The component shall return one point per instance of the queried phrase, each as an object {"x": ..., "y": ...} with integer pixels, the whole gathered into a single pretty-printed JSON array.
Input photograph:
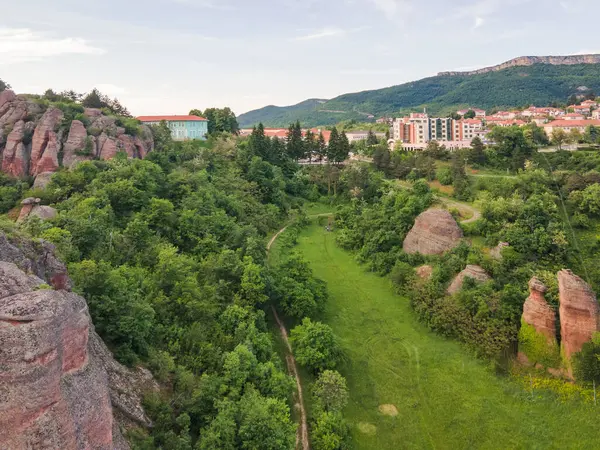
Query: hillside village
[{"x": 415, "y": 131}]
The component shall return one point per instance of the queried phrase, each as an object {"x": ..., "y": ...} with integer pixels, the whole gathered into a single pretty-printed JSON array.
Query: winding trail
[
  {"x": 476, "y": 213},
  {"x": 302, "y": 434}
]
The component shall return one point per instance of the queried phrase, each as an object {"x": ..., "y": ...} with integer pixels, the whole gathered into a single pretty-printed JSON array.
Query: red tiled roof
[
  {"x": 573, "y": 123},
  {"x": 171, "y": 118}
]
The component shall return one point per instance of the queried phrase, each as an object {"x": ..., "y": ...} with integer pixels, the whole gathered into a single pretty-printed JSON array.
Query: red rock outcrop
[
  {"x": 58, "y": 379},
  {"x": 45, "y": 144},
  {"x": 435, "y": 232},
  {"x": 54, "y": 396},
  {"x": 579, "y": 312},
  {"x": 475, "y": 272},
  {"x": 76, "y": 142},
  {"x": 15, "y": 159},
  {"x": 32, "y": 138},
  {"x": 538, "y": 313}
]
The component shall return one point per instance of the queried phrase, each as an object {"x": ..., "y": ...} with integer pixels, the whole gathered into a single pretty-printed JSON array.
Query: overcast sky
[{"x": 169, "y": 56}]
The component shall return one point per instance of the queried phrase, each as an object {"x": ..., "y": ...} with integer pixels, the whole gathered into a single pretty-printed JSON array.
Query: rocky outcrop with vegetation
[
  {"x": 61, "y": 382},
  {"x": 435, "y": 232},
  {"x": 476, "y": 273},
  {"x": 38, "y": 137}
]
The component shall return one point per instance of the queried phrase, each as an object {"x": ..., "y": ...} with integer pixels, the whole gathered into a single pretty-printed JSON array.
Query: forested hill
[{"x": 538, "y": 84}]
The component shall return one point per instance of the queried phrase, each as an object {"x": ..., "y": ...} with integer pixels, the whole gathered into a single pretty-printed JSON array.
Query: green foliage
[
  {"x": 219, "y": 120},
  {"x": 315, "y": 346},
  {"x": 330, "y": 392},
  {"x": 537, "y": 348},
  {"x": 4, "y": 85},
  {"x": 330, "y": 432},
  {"x": 586, "y": 363},
  {"x": 539, "y": 84}
]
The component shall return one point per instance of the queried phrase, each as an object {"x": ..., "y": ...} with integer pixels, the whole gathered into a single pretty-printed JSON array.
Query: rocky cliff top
[
  {"x": 531, "y": 60},
  {"x": 37, "y": 138}
]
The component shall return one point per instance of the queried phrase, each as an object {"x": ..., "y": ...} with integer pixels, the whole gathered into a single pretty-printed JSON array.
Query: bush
[
  {"x": 315, "y": 346},
  {"x": 402, "y": 274},
  {"x": 330, "y": 432},
  {"x": 537, "y": 348},
  {"x": 330, "y": 392},
  {"x": 444, "y": 176},
  {"x": 586, "y": 363}
]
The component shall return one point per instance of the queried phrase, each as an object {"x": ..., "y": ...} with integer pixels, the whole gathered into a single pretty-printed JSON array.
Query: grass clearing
[{"x": 445, "y": 398}]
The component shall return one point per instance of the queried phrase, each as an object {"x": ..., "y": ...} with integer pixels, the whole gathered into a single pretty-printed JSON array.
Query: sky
[{"x": 170, "y": 56}]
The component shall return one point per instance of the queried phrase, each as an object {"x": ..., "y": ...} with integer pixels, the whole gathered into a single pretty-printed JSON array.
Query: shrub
[
  {"x": 537, "y": 348},
  {"x": 402, "y": 274},
  {"x": 330, "y": 432},
  {"x": 586, "y": 363},
  {"x": 315, "y": 346},
  {"x": 330, "y": 392},
  {"x": 444, "y": 175}
]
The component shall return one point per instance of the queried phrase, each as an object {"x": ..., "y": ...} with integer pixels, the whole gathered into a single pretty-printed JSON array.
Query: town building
[
  {"x": 354, "y": 136},
  {"x": 573, "y": 116},
  {"x": 417, "y": 130},
  {"x": 581, "y": 109},
  {"x": 596, "y": 114},
  {"x": 182, "y": 128},
  {"x": 568, "y": 125},
  {"x": 478, "y": 112}
]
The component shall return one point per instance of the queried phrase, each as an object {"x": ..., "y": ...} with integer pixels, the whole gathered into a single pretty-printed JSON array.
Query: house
[
  {"x": 478, "y": 112},
  {"x": 590, "y": 104},
  {"x": 506, "y": 115},
  {"x": 568, "y": 125},
  {"x": 182, "y": 128},
  {"x": 581, "y": 109},
  {"x": 573, "y": 116},
  {"x": 507, "y": 123},
  {"x": 596, "y": 114}
]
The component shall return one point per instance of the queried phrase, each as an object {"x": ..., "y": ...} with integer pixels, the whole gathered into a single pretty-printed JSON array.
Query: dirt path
[
  {"x": 302, "y": 434},
  {"x": 451, "y": 203}
]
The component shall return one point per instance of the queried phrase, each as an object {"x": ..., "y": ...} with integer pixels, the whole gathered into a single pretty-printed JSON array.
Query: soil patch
[
  {"x": 367, "y": 428},
  {"x": 388, "y": 410}
]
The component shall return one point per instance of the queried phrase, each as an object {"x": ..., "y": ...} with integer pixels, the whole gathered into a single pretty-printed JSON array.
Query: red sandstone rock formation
[
  {"x": 76, "y": 142},
  {"x": 537, "y": 312},
  {"x": 435, "y": 232},
  {"x": 475, "y": 272},
  {"x": 58, "y": 379},
  {"x": 15, "y": 160},
  {"x": 579, "y": 312},
  {"x": 40, "y": 156},
  {"x": 54, "y": 395},
  {"x": 45, "y": 144}
]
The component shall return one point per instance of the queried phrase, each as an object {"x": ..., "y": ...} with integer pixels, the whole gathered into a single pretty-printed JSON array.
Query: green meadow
[{"x": 445, "y": 397}]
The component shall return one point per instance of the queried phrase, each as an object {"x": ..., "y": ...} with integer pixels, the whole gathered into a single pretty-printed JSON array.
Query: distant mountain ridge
[
  {"x": 538, "y": 80},
  {"x": 530, "y": 61}
]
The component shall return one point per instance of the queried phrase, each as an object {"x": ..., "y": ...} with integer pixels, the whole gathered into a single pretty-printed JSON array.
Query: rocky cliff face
[
  {"x": 579, "y": 312},
  {"x": 59, "y": 383},
  {"x": 538, "y": 313},
  {"x": 531, "y": 60},
  {"x": 35, "y": 140},
  {"x": 435, "y": 231}
]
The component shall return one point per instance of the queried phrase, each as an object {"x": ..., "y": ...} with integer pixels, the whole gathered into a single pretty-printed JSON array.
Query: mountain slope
[{"x": 509, "y": 87}]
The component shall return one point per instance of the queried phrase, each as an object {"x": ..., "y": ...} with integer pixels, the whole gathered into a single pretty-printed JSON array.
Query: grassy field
[{"x": 446, "y": 399}]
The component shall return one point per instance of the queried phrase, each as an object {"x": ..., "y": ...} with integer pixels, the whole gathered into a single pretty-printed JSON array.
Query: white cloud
[
  {"x": 479, "y": 10},
  {"x": 22, "y": 45},
  {"x": 328, "y": 32},
  {"x": 588, "y": 52},
  {"x": 207, "y": 4},
  {"x": 392, "y": 8}
]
